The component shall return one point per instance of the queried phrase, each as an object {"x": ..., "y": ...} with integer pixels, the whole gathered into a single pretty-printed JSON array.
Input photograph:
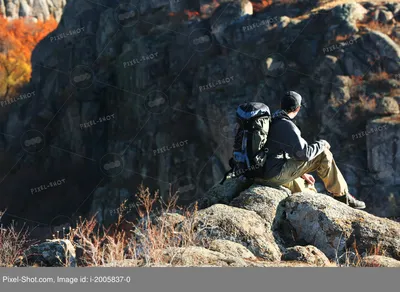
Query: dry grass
[
  {"x": 376, "y": 26},
  {"x": 376, "y": 77},
  {"x": 361, "y": 105},
  {"x": 395, "y": 119},
  {"x": 288, "y": 2},
  {"x": 329, "y": 4},
  {"x": 367, "y": 103},
  {"x": 142, "y": 243},
  {"x": 370, "y": 24},
  {"x": 12, "y": 243},
  {"x": 357, "y": 88},
  {"x": 353, "y": 258},
  {"x": 322, "y": 4},
  {"x": 259, "y": 6},
  {"x": 98, "y": 246}
]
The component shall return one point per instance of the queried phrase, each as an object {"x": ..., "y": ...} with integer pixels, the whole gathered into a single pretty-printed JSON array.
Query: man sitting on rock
[{"x": 290, "y": 157}]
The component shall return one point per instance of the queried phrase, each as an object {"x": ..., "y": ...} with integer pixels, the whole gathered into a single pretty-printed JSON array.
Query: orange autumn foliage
[
  {"x": 191, "y": 14},
  {"x": 18, "y": 38},
  {"x": 261, "y": 5}
]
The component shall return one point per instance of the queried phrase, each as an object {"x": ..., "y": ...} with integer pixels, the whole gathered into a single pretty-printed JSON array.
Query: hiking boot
[{"x": 349, "y": 200}]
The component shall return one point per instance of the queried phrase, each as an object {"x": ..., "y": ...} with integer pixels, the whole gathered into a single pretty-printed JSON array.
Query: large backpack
[{"x": 249, "y": 151}]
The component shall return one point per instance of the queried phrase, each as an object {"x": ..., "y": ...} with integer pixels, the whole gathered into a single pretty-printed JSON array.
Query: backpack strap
[
  {"x": 249, "y": 145},
  {"x": 276, "y": 118},
  {"x": 225, "y": 176},
  {"x": 231, "y": 164}
]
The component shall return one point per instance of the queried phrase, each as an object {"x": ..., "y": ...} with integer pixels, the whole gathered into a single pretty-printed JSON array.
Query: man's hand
[
  {"x": 327, "y": 145},
  {"x": 308, "y": 178}
]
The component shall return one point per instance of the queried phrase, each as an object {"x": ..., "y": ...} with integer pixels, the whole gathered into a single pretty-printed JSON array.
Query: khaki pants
[
  {"x": 299, "y": 185},
  {"x": 323, "y": 164}
]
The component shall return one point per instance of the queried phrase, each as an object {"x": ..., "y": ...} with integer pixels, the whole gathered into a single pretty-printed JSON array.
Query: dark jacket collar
[{"x": 281, "y": 114}]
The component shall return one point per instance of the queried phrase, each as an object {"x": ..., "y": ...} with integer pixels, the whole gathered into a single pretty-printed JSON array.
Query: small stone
[
  {"x": 309, "y": 254},
  {"x": 52, "y": 253},
  {"x": 230, "y": 248},
  {"x": 199, "y": 256}
]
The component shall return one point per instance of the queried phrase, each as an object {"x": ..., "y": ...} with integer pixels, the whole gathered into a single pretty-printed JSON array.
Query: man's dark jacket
[{"x": 285, "y": 142}]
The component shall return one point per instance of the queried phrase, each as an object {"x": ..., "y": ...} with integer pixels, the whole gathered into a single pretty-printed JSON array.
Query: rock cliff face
[
  {"x": 142, "y": 92},
  {"x": 37, "y": 9}
]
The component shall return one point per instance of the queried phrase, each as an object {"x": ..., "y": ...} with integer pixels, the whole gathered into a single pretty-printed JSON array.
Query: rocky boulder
[
  {"x": 387, "y": 106},
  {"x": 52, "y": 253},
  {"x": 227, "y": 13},
  {"x": 238, "y": 225},
  {"x": 334, "y": 227},
  {"x": 388, "y": 50},
  {"x": 208, "y": 7},
  {"x": 262, "y": 200},
  {"x": 347, "y": 15},
  {"x": 308, "y": 254},
  {"x": 230, "y": 248},
  {"x": 379, "y": 261},
  {"x": 199, "y": 256},
  {"x": 307, "y": 227},
  {"x": 223, "y": 193}
]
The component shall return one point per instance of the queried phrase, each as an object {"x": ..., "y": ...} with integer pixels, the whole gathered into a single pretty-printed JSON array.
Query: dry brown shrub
[
  {"x": 143, "y": 244},
  {"x": 13, "y": 242}
]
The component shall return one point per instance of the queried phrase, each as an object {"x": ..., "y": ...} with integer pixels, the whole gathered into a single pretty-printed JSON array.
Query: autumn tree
[{"x": 18, "y": 38}]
